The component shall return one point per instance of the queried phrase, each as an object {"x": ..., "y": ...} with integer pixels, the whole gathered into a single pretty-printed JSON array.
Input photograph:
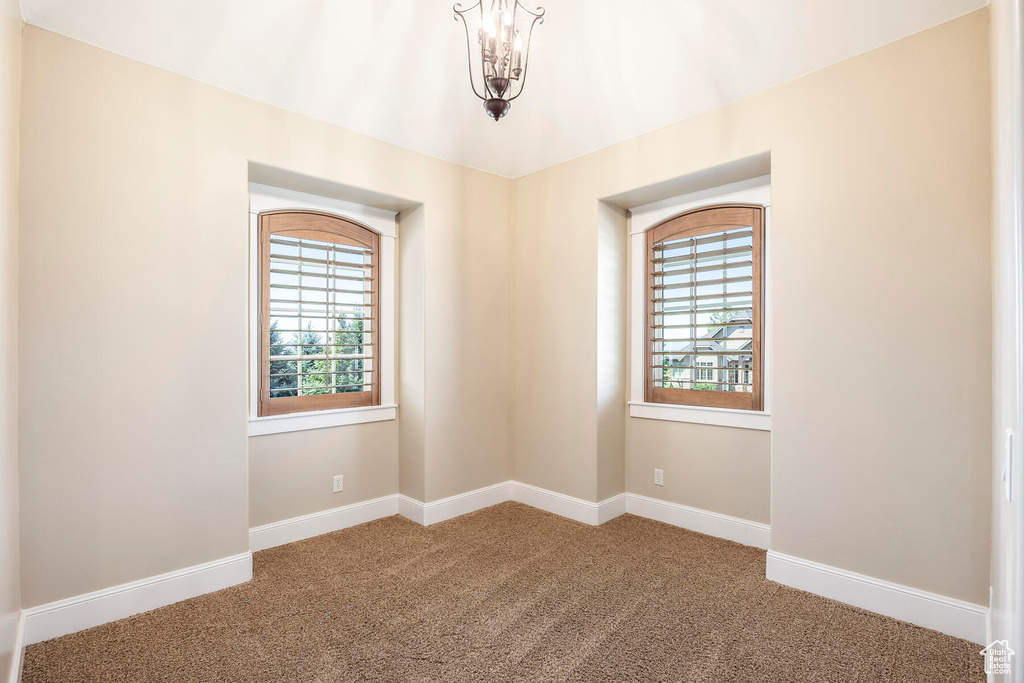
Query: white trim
[
  {"x": 542, "y": 499},
  {"x": 745, "y": 531},
  {"x": 454, "y": 506},
  {"x": 382, "y": 221},
  {"x": 324, "y": 522},
  {"x": 17, "y": 649},
  {"x": 753, "y": 191},
  {"x": 568, "y": 506},
  {"x": 930, "y": 610},
  {"x": 92, "y": 609},
  {"x": 410, "y": 508},
  {"x": 610, "y": 508},
  {"x": 723, "y": 417},
  {"x": 293, "y": 422}
]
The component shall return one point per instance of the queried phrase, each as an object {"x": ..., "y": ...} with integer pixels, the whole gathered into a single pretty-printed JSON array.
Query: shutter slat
[
  {"x": 720, "y": 325},
  {"x": 700, "y": 367},
  {"x": 722, "y": 352},
  {"x": 321, "y": 332},
  {"x": 702, "y": 255},
  {"x": 313, "y": 317},
  {"x": 735, "y": 234},
  {"x": 335, "y": 372},
  {"x": 676, "y": 272},
  {"x": 295, "y": 273},
  {"x": 304, "y": 288},
  {"x": 702, "y": 283},
  {"x": 319, "y": 262},
  {"x": 336, "y": 304},
  {"x": 720, "y": 340},
  {"x": 317, "y": 244},
  {"x": 690, "y": 311},
  {"x": 705, "y": 297},
  {"x": 286, "y": 390}
]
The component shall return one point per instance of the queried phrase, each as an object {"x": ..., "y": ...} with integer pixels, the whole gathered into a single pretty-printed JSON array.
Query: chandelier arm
[
  {"x": 469, "y": 49},
  {"x": 539, "y": 13},
  {"x": 537, "y": 18}
]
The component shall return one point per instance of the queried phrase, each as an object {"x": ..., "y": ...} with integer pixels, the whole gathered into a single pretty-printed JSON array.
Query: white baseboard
[
  {"x": 736, "y": 529},
  {"x": 610, "y": 508},
  {"x": 317, "y": 523},
  {"x": 15, "y": 634},
  {"x": 454, "y": 506},
  {"x": 947, "y": 615},
  {"x": 542, "y": 499},
  {"x": 410, "y": 508},
  {"x": 92, "y": 609},
  {"x": 568, "y": 506}
]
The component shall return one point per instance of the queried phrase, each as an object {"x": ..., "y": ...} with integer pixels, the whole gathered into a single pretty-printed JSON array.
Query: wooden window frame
[
  {"x": 324, "y": 227},
  {"x": 693, "y": 223}
]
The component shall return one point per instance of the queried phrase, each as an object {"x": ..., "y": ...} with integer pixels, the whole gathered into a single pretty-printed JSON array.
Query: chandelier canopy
[{"x": 498, "y": 64}]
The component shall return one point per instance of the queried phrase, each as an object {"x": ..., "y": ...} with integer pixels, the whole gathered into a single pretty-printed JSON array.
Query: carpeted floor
[{"x": 507, "y": 594}]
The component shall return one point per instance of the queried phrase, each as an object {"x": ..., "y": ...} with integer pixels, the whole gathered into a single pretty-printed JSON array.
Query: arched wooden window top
[
  {"x": 319, "y": 333},
  {"x": 705, "y": 308}
]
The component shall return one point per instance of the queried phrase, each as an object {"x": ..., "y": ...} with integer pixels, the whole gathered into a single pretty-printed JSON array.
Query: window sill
[
  {"x": 296, "y": 422},
  {"x": 722, "y": 417}
]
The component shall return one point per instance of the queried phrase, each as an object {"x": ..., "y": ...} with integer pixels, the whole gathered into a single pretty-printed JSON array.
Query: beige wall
[
  {"x": 554, "y": 309},
  {"x": 880, "y": 184},
  {"x": 412, "y": 356},
  {"x": 10, "y": 87},
  {"x": 722, "y": 469},
  {"x": 134, "y": 448},
  {"x": 291, "y": 474},
  {"x": 468, "y": 334},
  {"x": 612, "y": 350}
]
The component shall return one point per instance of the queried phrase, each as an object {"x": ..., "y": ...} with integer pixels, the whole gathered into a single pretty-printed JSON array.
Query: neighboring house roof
[{"x": 714, "y": 340}]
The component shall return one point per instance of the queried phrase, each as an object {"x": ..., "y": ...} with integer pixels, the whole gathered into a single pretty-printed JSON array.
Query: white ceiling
[{"x": 601, "y": 71}]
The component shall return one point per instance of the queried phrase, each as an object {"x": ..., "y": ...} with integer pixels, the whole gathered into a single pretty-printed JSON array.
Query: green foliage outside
[{"x": 348, "y": 339}]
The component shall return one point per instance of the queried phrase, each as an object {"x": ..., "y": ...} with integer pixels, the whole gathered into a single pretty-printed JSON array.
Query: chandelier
[{"x": 503, "y": 39}]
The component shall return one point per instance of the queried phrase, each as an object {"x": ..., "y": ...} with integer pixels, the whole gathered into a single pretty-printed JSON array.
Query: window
[
  {"x": 705, "y": 371},
  {"x": 702, "y": 373},
  {"x": 319, "y": 336},
  {"x": 704, "y": 308}
]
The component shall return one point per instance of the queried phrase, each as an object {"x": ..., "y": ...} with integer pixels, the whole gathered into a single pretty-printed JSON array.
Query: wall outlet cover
[
  {"x": 659, "y": 477},
  {"x": 339, "y": 483}
]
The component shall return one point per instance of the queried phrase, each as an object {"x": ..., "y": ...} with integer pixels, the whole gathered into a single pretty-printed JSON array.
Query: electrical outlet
[
  {"x": 659, "y": 477},
  {"x": 339, "y": 483}
]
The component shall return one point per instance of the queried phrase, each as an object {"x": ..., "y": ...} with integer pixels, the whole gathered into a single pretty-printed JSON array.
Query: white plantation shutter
[
  {"x": 705, "y": 308},
  {"x": 319, "y": 336}
]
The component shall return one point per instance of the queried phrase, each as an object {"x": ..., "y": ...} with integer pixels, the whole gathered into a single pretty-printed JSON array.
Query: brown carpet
[{"x": 507, "y": 594}]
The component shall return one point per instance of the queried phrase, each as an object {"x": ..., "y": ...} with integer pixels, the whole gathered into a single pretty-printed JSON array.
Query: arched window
[
  {"x": 705, "y": 301},
  {"x": 318, "y": 324}
]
